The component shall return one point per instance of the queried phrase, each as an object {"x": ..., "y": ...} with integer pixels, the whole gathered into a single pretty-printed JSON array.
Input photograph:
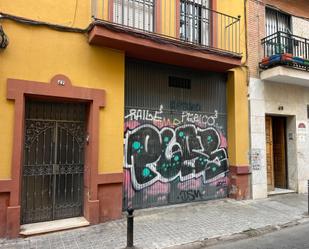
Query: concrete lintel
[{"x": 286, "y": 75}]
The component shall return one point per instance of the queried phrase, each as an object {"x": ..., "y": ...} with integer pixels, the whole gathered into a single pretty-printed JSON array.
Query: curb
[{"x": 250, "y": 233}]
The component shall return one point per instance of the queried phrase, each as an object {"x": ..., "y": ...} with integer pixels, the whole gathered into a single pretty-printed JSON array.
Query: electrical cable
[{"x": 57, "y": 27}]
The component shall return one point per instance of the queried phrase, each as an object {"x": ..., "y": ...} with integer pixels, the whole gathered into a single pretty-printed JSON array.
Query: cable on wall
[
  {"x": 22, "y": 20},
  {"x": 4, "y": 40}
]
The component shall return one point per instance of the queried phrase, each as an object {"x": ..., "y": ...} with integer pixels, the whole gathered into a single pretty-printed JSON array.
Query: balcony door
[
  {"x": 134, "y": 13},
  {"x": 277, "y": 21},
  {"x": 278, "y": 32},
  {"x": 195, "y": 21}
]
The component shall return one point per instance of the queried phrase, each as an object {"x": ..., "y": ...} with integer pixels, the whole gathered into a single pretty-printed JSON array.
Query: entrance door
[
  {"x": 279, "y": 152},
  {"x": 269, "y": 154},
  {"x": 276, "y": 153},
  {"x": 53, "y": 161}
]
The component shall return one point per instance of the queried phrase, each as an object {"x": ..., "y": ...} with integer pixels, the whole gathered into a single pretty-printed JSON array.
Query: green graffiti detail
[
  {"x": 166, "y": 139},
  {"x": 181, "y": 134},
  {"x": 146, "y": 172},
  {"x": 136, "y": 145},
  {"x": 209, "y": 139}
]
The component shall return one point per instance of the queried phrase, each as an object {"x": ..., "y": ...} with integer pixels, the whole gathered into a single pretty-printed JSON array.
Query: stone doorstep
[
  {"x": 52, "y": 226},
  {"x": 280, "y": 191}
]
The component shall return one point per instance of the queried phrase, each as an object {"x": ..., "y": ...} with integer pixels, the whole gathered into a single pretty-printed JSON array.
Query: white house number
[{"x": 61, "y": 82}]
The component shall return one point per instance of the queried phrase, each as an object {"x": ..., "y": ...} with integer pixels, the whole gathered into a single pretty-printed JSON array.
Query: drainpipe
[{"x": 248, "y": 86}]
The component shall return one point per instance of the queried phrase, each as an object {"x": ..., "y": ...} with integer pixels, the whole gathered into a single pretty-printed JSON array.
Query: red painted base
[
  {"x": 240, "y": 182},
  {"x": 107, "y": 207}
]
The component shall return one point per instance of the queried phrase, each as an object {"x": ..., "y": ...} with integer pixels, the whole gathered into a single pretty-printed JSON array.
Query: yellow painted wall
[
  {"x": 237, "y": 91},
  {"x": 70, "y": 13},
  {"x": 168, "y": 18},
  {"x": 238, "y": 123},
  {"x": 38, "y": 53},
  {"x": 235, "y": 8}
]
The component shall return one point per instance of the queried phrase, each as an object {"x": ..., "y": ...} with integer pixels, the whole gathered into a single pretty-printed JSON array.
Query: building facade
[
  {"x": 279, "y": 95},
  {"x": 109, "y": 105}
]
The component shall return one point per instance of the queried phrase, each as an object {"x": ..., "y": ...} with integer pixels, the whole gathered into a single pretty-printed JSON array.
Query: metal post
[
  {"x": 308, "y": 197},
  {"x": 306, "y": 54},
  {"x": 130, "y": 220},
  {"x": 278, "y": 47}
]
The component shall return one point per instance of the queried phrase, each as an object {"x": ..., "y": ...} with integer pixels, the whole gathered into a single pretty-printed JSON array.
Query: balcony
[
  {"x": 179, "y": 32},
  {"x": 286, "y": 59}
]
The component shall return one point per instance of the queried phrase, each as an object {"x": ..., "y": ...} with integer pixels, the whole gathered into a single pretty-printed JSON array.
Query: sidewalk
[{"x": 176, "y": 225}]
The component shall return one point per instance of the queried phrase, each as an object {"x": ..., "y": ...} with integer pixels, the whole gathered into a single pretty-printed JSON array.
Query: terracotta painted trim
[
  {"x": 240, "y": 182},
  {"x": 13, "y": 221},
  {"x": 18, "y": 141},
  {"x": 213, "y": 4},
  {"x": 149, "y": 48},
  {"x": 111, "y": 10},
  {"x": 240, "y": 170},
  {"x": 110, "y": 178},
  {"x": 59, "y": 88},
  {"x": 214, "y": 27},
  {"x": 5, "y": 186},
  {"x": 158, "y": 16},
  {"x": 177, "y": 19}
]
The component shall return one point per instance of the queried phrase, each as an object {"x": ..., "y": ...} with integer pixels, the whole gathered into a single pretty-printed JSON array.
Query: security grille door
[
  {"x": 53, "y": 161},
  {"x": 175, "y": 137}
]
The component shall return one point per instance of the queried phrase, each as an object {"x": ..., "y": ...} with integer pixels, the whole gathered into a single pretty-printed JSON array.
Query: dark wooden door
[
  {"x": 53, "y": 161},
  {"x": 269, "y": 154},
  {"x": 279, "y": 152}
]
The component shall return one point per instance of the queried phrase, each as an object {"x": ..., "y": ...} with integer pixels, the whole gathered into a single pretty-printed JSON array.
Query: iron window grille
[
  {"x": 277, "y": 21},
  {"x": 134, "y": 13},
  {"x": 195, "y": 21}
]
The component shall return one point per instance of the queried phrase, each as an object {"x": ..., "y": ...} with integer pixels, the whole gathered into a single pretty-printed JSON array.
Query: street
[{"x": 289, "y": 238}]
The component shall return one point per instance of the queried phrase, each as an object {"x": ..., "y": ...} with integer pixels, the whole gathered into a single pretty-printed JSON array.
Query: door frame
[
  {"x": 285, "y": 148},
  {"x": 59, "y": 88},
  {"x": 55, "y": 124}
]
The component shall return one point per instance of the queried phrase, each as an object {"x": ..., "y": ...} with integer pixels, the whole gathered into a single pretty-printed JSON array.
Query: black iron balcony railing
[
  {"x": 188, "y": 21},
  {"x": 285, "y": 49},
  {"x": 205, "y": 27}
]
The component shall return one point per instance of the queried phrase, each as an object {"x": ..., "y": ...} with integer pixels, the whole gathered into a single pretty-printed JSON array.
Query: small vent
[{"x": 179, "y": 82}]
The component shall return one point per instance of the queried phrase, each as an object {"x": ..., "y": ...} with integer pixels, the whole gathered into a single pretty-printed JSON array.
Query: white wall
[
  {"x": 300, "y": 27},
  {"x": 265, "y": 98}
]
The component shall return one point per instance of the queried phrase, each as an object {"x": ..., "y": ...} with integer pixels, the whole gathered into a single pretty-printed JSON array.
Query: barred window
[
  {"x": 195, "y": 21},
  {"x": 134, "y": 13},
  {"x": 277, "y": 21}
]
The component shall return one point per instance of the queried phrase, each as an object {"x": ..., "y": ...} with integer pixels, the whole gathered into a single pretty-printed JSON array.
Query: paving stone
[{"x": 175, "y": 225}]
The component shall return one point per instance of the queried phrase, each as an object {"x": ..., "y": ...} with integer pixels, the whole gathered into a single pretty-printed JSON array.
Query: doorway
[
  {"x": 53, "y": 162},
  {"x": 276, "y": 152}
]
